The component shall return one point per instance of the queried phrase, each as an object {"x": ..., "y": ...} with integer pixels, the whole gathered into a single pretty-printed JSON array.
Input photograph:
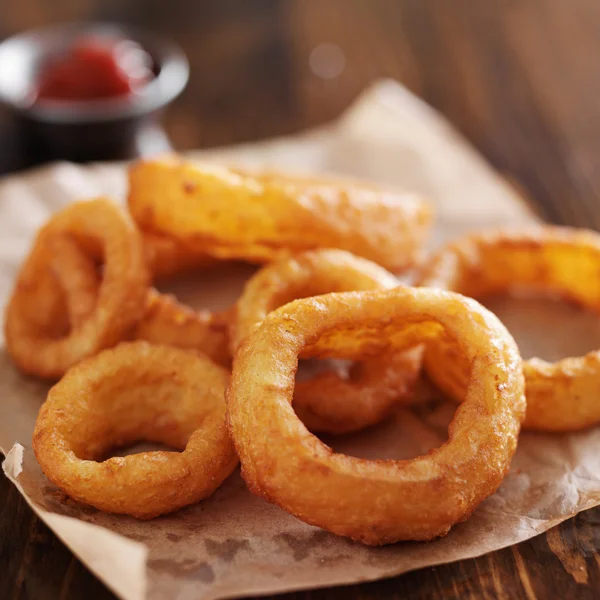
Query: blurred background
[{"x": 518, "y": 77}]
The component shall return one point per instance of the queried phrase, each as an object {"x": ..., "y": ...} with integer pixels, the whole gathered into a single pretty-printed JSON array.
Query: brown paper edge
[{"x": 132, "y": 584}]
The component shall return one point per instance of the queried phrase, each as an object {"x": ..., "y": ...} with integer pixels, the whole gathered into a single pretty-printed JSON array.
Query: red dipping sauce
[{"x": 95, "y": 68}]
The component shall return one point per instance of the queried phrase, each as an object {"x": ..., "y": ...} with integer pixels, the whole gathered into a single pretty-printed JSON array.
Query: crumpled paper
[{"x": 235, "y": 544}]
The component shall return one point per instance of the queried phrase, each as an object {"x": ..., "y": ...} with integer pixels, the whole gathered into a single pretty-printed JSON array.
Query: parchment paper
[{"x": 235, "y": 544}]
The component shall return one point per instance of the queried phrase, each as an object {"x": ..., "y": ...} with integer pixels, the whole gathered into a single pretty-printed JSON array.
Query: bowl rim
[{"x": 160, "y": 91}]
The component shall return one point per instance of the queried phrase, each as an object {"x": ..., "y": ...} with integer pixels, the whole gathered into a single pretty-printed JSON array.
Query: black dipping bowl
[{"x": 88, "y": 130}]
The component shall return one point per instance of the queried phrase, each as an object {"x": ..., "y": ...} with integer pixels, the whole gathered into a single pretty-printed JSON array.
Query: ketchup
[{"x": 94, "y": 69}]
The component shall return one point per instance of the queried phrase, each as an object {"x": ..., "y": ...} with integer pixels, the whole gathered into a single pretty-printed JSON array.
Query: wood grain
[{"x": 520, "y": 78}]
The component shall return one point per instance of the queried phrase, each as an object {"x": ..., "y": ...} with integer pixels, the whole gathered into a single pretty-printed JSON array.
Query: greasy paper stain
[
  {"x": 301, "y": 546},
  {"x": 226, "y": 549},
  {"x": 200, "y": 570}
]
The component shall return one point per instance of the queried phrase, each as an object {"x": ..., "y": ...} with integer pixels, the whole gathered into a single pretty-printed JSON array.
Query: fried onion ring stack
[
  {"x": 137, "y": 365},
  {"x": 231, "y": 214},
  {"x": 376, "y": 502},
  {"x": 561, "y": 396}
]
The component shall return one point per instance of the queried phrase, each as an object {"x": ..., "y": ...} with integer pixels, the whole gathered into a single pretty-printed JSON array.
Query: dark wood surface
[{"x": 520, "y": 78}]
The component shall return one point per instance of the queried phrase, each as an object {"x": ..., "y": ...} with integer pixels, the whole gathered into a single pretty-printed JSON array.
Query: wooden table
[{"x": 520, "y": 78}]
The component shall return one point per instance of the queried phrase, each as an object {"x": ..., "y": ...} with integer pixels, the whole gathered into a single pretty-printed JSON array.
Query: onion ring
[
  {"x": 167, "y": 321},
  {"x": 561, "y": 396},
  {"x": 46, "y": 309},
  {"x": 31, "y": 340},
  {"x": 163, "y": 320},
  {"x": 231, "y": 214},
  {"x": 137, "y": 392},
  {"x": 167, "y": 256},
  {"x": 375, "y": 501},
  {"x": 328, "y": 402},
  {"x": 77, "y": 275}
]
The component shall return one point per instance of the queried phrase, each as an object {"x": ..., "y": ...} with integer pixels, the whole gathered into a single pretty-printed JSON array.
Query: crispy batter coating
[
  {"x": 330, "y": 402},
  {"x": 167, "y": 321},
  {"x": 231, "y": 214},
  {"x": 561, "y": 396},
  {"x": 375, "y": 501},
  {"x": 167, "y": 256},
  {"x": 78, "y": 277},
  {"x": 35, "y": 342},
  {"x": 137, "y": 392},
  {"x": 162, "y": 320}
]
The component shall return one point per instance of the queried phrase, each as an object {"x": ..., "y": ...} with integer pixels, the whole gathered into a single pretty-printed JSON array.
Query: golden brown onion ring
[
  {"x": 163, "y": 320},
  {"x": 329, "y": 402},
  {"x": 78, "y": 277},
  {"x": 167, "y": 256},
  {"x": 231, "y": 214},
  {"x": 561, "y": 396},
  {"x": 167, "y": 321},
  {"x": 375, "y": 501},
  {"x": 30, "y": 339},
  {"x": 137, "y": 392}
]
